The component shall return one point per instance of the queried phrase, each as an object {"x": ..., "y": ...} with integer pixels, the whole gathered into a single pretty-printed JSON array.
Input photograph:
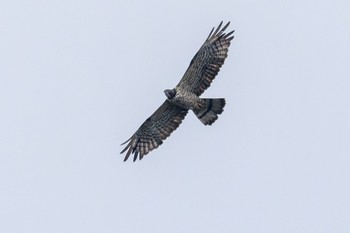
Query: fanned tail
[{"x": 208, "y": 114}]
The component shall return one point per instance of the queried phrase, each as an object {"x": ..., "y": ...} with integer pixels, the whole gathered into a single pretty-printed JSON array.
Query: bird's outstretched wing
[
  {"x": 154, "y": 130},
  {"x": 207, "y": 62}
]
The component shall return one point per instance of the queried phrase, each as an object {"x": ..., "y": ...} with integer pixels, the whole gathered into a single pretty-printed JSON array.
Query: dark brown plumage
[
  {"x": 202, "y": 70},
  {"x": 207, "y": 62},
  {"x": 155, "y": 129}
]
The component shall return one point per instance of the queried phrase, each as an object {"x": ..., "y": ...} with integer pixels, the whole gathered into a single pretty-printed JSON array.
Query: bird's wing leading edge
[
  {"x": 207, "y": 62},
  {"x": 154, "y": 130}
]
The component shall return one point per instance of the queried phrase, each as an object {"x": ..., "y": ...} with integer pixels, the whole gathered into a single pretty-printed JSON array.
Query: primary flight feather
[{"x": 202, "y": 70}]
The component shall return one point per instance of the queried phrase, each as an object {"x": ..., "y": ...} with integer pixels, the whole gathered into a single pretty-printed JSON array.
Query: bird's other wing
[
  {"x": 207, "y": 62},
  {"x": 154, "y": 130}
]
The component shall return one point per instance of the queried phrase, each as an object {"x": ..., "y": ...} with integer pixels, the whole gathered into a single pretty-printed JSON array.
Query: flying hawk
[{"x": 203, "y": 68}]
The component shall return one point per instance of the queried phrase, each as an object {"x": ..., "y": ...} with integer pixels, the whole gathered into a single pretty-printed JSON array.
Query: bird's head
[{"x": 170, "y": 93}]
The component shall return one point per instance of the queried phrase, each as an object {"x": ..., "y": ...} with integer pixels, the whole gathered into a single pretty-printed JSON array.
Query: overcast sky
[{"x": 77, "y": 78}]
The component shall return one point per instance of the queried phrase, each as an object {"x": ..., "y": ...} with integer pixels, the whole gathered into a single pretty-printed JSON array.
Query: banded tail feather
[{"x": 208, "y": 114}]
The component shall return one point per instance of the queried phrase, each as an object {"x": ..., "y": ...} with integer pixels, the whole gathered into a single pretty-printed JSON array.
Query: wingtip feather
[
  {"x": 135, "y": 156},
  {"x": 210, "y": 33},
  {"x": 126, "y": 141},
  {"x": 219, "y": 32},
  {"x": 224, "y": 28},
  {"x": 127, "y": 154},
  {"x": 218, "y": 28},
  {"x": 124, "y": 148}
]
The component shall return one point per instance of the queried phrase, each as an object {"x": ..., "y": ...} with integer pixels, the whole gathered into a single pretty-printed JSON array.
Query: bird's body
[{"x": 185, "y": 97}]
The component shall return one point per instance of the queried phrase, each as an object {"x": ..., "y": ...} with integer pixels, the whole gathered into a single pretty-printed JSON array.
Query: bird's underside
[{"x": 202, "y": 70}]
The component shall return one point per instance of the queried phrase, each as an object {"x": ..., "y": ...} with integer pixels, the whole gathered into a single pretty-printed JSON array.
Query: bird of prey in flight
[{"x": 202, "y": 70}]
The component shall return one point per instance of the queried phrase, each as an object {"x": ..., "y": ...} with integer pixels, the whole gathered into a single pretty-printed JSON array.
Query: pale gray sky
[{"x": 77, "y": 78}]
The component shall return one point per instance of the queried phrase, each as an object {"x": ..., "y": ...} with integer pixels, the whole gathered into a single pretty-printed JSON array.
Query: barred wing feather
[
  {"x": 207, "y": 62},
  {"x": 154, "y": 130}
]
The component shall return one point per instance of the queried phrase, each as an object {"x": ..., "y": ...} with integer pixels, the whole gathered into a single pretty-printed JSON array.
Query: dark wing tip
[
  {"x": 135, "y": 155},
  {"x": 126, "y": 158},
  {"x": 135, "y": 148},
  {"x": 127, "y": 154},
  {"x": 126, "y": 141},
  {"x": 224, "y": 28},
  {"x": 130, "y": 147},
  {"x": 220, "y": 32},
  {"x": 218, "y": 28},
  {"x": 227, "y": 36},
  {"x": 210, "y": 33},
  {"x": 125, "y": 149}
]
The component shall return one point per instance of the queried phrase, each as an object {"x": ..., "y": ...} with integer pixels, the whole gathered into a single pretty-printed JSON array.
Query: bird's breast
[{"x": 186, "y": 100}]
